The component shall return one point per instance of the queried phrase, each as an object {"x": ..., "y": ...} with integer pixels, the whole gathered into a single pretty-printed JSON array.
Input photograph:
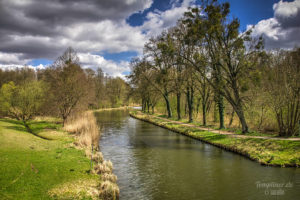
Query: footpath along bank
[{"x": 271, "y": 151}]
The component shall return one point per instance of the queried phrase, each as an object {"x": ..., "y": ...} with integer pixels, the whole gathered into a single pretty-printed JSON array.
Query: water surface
[{"x": 157, "y": 164}]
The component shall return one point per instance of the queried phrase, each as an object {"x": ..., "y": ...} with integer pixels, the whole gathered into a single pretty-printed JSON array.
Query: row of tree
[
  {"x": 206, "y": 59},
  {"x": 59, "y": 90}
]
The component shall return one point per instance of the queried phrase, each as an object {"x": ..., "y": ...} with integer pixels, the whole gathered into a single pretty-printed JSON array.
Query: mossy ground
[
  {"x": 31, "y": 167},
  {"x": 265, "y": 151}
]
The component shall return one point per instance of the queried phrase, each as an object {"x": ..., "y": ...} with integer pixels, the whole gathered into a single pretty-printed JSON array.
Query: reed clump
[
  {"x": 109, "y": 177},
  {"x": 87, "y": 133},
  {"x": 98, "y": 157},
  {"x": 101, "y": 168},
  {"x": 85, "y": 127},
  {"x": 109, "y": 191},
  {"x": 108, "y": 164}
]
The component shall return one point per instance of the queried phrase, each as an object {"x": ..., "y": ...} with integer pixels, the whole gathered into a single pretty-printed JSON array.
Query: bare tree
[
  {"x": 283, "y": 86},
  {"x": 68, "y": 84}
]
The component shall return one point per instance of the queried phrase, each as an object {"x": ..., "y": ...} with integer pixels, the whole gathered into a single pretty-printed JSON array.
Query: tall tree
[
  {"x": 158, "y": 73},
  {"x": 283, "y": 86},
  {"x": 227, "y": 54},
  {"x": 145, "y": 91},
  {"x": 68, "y": 84}
]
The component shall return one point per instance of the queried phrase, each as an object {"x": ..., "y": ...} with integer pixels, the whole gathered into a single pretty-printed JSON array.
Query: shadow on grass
[
  {"x": 36, "y": 127},
  {"x": 23, "y": 129},
  {"x": 12, "y": 121},
  {"x": 16, "y": 128}
]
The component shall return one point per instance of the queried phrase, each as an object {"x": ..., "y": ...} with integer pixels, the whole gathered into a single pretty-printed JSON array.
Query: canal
[{"x": 153, "y": 163}]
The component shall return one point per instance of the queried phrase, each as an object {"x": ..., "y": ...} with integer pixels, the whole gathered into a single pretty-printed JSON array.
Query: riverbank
[
  {"x": 108, "y": 109},
  {"x": 270, "y": 152},
  {"x": 49, "y": 164},
  {"x": 32, "y": 167}
]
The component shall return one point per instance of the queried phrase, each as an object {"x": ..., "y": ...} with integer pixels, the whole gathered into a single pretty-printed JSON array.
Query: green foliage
[
  {"x": 6, "y": 96},
  {"x": 22, "y": 101}
]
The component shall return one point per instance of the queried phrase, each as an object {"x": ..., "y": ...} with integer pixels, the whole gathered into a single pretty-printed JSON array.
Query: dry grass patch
[
  {"x": 98, "y": 157},
  {"x": 108, "y": 164},
  {"x": 47, "y": 119},
  {"x": 109, "y": 191},
  {"x": 87, "y": 134},
  {"x": 86, "y": 129},
  {"x": 102, "y": 168},
  {"x": 81, "y": 189},
  {"x": 53, "y": 135},
  {"x": 109, "y": 177}
]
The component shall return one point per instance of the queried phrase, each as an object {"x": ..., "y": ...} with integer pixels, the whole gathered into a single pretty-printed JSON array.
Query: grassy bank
[
  {"x": 269, "y": 152},
  {"x": 50, "y": 166},
  {"x": 108, "y": 109},
  {"x": 32, "y": 167}
]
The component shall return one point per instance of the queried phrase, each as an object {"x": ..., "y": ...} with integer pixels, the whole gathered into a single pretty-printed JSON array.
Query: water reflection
[{"x": 154, "y": 163}]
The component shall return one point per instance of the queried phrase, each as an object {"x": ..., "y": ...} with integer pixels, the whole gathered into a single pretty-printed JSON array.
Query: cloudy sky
[{"x": 108, "y": 33}]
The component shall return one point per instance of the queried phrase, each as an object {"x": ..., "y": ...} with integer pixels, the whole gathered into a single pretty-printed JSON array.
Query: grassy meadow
[{"x": 43, "y": 165}]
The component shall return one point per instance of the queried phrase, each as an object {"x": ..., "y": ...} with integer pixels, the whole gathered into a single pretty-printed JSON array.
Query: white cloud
[
  {"x": 105, "y": 36},
  {"x": 40, "y": 35},
  {"x": 16, "y": 66},
  {"x": 108, "y": 66},
  {"x": 286, "y": 9},
  {"x": 83, "y": 37},
  {"x": 270, "y": 28},
  {"x": 87, "y": 60},
  {"x": 7, "y": 58},
  {"x": 158, "y": 21},
  {"x": 282, "y": 30}
]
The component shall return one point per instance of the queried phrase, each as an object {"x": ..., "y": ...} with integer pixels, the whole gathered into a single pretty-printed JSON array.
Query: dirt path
[{"x": 226, "y": 132}]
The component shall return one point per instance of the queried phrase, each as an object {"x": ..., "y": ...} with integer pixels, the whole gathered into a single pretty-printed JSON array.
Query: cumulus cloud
[
  {"x": 281, "y": 31},
  {"x": 7, "y": 58},
  {"x": 39, "y": 28},
  {"x": 65, "y": 12},
  {"x": 286, "y": 9},
  {"x": 158, "y": 21},
  {"x": 16, "y": 66},
  {"x": 34, "y": 29},
  {"x": 108, "y": 66}
]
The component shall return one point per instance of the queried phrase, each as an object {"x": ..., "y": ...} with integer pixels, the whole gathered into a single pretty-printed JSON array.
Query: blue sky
[
  {"x": 252, "y": 11},
  {"x": 109, "y": 33},
  {"x": 248, "y": 12}
]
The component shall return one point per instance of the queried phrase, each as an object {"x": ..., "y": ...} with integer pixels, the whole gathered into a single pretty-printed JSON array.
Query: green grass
[
  {"x": 233, "y": 130},
  {"x": 31, "y": 166},
  {"x": 265, "y": 151}
]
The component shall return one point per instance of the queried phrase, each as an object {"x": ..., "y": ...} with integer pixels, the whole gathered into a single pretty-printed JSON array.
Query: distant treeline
[
  {"x": 59, "y": 90},
  {"x": 204, "y": 64}
]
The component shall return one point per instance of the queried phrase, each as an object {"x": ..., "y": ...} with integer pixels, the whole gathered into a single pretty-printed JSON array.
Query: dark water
[{"x": 154, "y": 163}]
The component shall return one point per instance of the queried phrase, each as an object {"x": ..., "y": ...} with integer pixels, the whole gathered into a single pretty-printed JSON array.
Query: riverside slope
[{"x": 266, "y": 151}]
